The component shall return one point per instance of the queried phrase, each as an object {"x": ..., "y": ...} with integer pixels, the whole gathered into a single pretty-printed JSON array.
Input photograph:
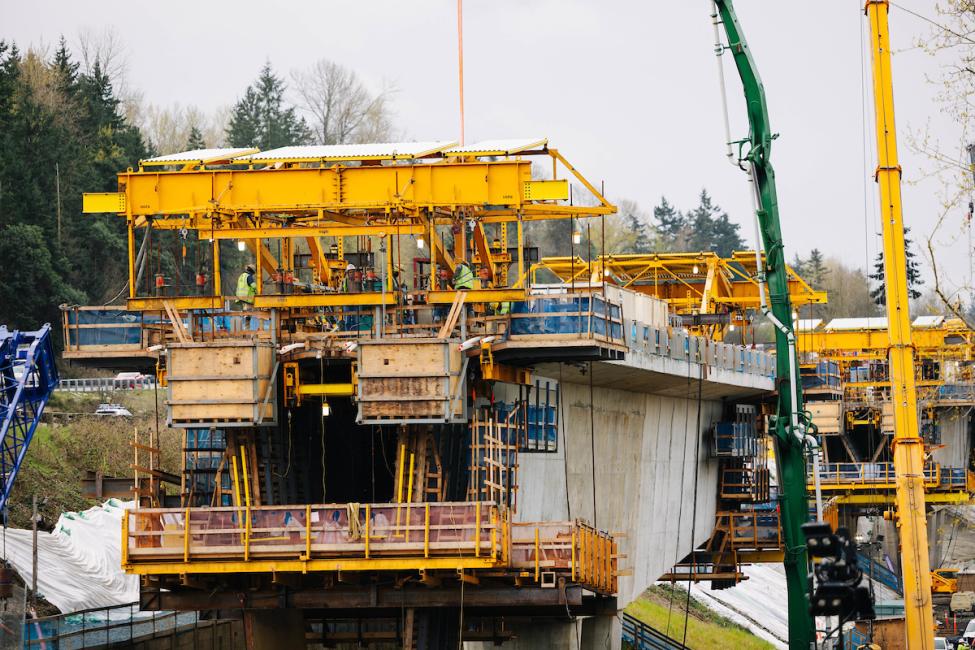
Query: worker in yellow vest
[
  {"x": 246, "y": 290},
  {"x": 463, "y": 276}
]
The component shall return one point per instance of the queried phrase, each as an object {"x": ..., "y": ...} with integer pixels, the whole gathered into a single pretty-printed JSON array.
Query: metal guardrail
[
  {"x": 877, "y": 571},
  {"x": 640, "y": 636},
  {"x": 675, "y": 344},
  {"x": 105, "y": 384},
  {"x": 103, "y": 626}
]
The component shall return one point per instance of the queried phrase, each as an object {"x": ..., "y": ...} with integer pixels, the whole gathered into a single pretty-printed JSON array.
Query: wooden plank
[{"x": 455, "y": 309}]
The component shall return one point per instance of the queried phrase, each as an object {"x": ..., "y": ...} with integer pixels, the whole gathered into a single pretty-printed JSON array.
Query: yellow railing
[{"x": 364, "y": 537}]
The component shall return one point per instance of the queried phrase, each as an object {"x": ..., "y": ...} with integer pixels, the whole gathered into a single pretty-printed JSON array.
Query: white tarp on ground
[
  {"x": 761, "y": 602},
  {"x": 80, "y": 563}
]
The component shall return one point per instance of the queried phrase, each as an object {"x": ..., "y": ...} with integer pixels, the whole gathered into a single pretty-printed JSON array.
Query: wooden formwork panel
[
  {"x": 410, "y": 379},
  {"x": 827, "y": 416},
  {"x": 887, "y": 418},
  {"x": 221, "y": 382}
]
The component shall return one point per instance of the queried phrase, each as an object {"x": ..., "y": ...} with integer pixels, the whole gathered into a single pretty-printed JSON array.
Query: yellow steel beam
[
  {"x": 180, "y": 303},
  {"x": 761, "y": 557},
  {"x": 303, "y": 566},
  {"x": 860, "y": 341},
  {"x": 326, "y": 390},
  {"x": 907, "y": 443},
  {"x": 325, "y": 300},
  {"x": 477, "y": 295},
  {"x": 889, "y": 499},
  {"x": 317, "y": 231},
  {"x": 450, "y": 184}
]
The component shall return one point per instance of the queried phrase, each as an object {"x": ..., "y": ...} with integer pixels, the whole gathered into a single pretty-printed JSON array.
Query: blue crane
[{"x": 28, "y": 376}]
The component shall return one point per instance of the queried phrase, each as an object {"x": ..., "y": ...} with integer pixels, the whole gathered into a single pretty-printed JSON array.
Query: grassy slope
[
  {"x": 63, "y": 449},
  {"x": 706, "y": 630}
]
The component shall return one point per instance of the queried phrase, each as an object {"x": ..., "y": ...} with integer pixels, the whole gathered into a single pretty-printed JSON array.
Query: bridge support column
[
  {"x": 277, "y": 629},
  {"x": 601, "y": 633}
]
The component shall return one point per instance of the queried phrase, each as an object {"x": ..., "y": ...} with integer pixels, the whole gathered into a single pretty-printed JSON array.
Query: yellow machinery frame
[{"x": 290, "y": 200}]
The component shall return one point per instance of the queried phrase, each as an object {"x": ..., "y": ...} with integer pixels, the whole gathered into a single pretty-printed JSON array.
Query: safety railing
[
  {"x": 574, "y": 315},
  {"x": 640, "y": 636},
  {"x": 108, "y": 328},
  {"x": 305, "y": 533},
  {"x": 953, "y": 477},
  {"x": 365, "y": 537},
  {"x": 106, "y": 384},
  {"x": 753, "y": 530},
  {"x": 104, "y": 626},
  {"x": 849, "y": 474},
  {"x": 588, "y": 555},
  {"x": 879, "y": 572},
  {"x": 675, "y": 343}
]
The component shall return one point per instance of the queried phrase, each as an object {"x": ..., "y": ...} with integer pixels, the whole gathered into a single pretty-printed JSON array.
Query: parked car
[
  {"x": 940, "y": 643},
  {"x": 113, "y": 410}
]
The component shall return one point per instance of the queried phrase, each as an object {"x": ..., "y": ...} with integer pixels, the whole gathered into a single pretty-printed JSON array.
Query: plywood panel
[{"x": 221, "y": 382}]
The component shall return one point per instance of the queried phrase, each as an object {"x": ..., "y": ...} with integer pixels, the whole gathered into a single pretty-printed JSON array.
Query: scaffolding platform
[{"x": 462, "y": 536}]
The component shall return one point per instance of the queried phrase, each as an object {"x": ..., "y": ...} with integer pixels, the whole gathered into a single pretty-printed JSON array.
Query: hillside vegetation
[
  {"x": 71, "y": 441},
  {"x": 662, "y": 607}
]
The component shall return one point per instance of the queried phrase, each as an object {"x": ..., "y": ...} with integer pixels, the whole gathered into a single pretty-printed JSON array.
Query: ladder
[{"x": 28, "y": 376}]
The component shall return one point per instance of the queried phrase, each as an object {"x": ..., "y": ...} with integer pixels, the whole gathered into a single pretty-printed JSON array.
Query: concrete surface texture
[{"x": 646, "y": 448}]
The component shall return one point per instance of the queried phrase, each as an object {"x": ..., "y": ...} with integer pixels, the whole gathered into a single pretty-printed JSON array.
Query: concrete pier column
[
  {"x": 557, "y": 635},
  {"x": 274, "y": 629},
  {"x": 602, "y": 633}
]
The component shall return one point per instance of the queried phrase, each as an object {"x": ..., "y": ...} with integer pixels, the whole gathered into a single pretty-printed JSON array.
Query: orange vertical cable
[{"x": 460, "y": 63}]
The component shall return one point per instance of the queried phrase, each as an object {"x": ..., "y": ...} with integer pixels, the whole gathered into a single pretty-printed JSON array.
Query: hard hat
[
  {"x": 350, "y": 267},
  {"x": 249, "y": 267}
]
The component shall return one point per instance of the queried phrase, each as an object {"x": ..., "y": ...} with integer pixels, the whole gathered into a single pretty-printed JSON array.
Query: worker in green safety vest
[
  {"x": 246, "y": 290},
  {"x": 463, "y": 276}
]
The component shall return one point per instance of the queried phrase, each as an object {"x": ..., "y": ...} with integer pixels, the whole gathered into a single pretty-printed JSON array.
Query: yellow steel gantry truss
[
  {"x": 306, "y": 194},
  {"x": 698, "y": 283}
]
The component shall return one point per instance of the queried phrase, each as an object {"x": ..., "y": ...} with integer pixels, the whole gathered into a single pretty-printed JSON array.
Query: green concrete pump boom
[{"x": 790, "y": 423}]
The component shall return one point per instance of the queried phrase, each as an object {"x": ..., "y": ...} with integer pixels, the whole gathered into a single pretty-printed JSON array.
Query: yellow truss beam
[
  {"x": 876, "y": 343},
  {"x": 502, "y": 189},
  {"x": 689, "y": 282}
]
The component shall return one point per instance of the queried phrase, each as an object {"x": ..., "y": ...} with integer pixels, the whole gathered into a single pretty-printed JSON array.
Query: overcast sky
[{"x": 627, "y": 90}]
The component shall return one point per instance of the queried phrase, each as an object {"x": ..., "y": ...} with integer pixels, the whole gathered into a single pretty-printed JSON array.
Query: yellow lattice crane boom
[{"x": 908, "y": 444}]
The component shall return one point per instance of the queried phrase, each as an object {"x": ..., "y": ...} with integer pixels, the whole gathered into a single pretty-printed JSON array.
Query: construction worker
[
  {"x": 201, "y": 282},
  {"x": 463, "y": 276},
  {"x": 443, "y": 282},
  {"x": 246, "y": 290}
]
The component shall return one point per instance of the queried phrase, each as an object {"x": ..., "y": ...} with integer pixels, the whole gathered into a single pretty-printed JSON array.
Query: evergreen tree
[
  {"x": 815, "y": 269},
  {"x": 32, "y": 289},
  {"x": 798, "y": 265},
  {"x": 260, "y": 118},
  {"x": 914, "y": 279},
  {"x": 671, "y": 225},
  {"x": 195, "y": 139},
  {"x": 640, "y": 233},
  {"x": 710, "y": 229}
]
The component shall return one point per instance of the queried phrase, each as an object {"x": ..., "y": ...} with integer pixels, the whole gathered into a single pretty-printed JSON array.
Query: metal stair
[
  {"x": 28, "y": 376},
  {"x": 640, "y": 636}
]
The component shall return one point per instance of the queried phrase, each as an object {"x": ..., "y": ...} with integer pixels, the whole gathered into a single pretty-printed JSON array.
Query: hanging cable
[
  {"x": 321, "y": 362},
  {"x": 460, "y": 623},
  {"x": 683, "y": 466},
  {"x": 460, "y": 64},
  {"x": 592, "y": 445},
  {"x": 697, "y": 465},
  {"x": 565, "y": 449}
]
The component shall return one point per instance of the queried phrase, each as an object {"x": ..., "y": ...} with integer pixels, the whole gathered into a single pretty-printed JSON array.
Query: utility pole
[{"x": 57, "y": 189}]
